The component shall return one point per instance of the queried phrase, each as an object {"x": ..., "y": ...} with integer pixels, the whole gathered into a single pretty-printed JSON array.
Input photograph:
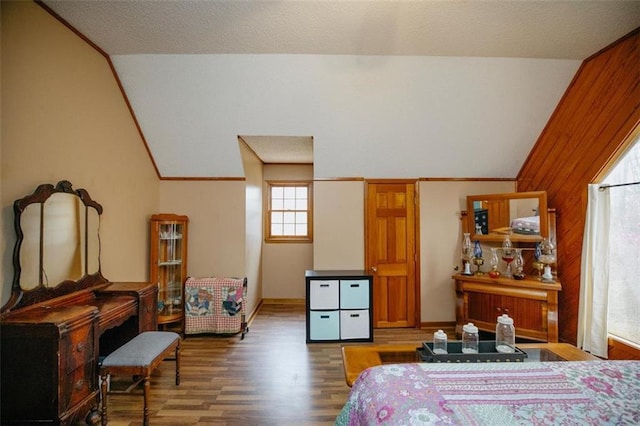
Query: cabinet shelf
[
  {"x": 169, "y": 318},
  {"x": 170, "y": 263}
]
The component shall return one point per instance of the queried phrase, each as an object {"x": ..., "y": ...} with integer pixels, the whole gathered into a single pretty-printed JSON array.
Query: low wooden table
[{"x": 357, "y": 358}]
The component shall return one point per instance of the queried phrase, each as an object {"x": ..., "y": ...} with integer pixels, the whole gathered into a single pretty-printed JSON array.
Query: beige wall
[
  {"x": 440, "y": 241},
  {"x": 338, "y": 225},
  {"x": 339, "y": 230},
  {"x": 283, "y": 264},
  {"x": 63, "y": 117},
  {"x": 253, "y": 229},
  {"x": 216, "y": 211},
  {"x": 216, "y": 223}
]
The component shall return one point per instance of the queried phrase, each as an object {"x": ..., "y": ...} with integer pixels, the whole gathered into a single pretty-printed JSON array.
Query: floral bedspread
[{"x": 529, "y": 393}]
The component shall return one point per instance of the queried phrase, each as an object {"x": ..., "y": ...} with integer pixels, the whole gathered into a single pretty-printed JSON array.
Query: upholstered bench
[{"x": 139, "y": 357}]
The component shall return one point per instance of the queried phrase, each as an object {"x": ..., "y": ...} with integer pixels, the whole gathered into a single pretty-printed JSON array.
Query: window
[
  {"x": 289, "y": 212},
  {"x": 623, "y": 321}
]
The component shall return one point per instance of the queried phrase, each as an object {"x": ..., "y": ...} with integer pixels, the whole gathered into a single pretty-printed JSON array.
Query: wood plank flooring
[{"x": 272, "y": 377}]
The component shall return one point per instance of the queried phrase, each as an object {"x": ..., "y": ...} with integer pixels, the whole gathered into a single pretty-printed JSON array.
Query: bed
[
  {"x": 529, "y": 225},
  {"x": 529, "y": 393}
]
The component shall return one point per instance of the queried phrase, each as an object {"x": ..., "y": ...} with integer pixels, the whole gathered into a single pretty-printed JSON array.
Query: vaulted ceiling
[{"x": 445, "y": 88}]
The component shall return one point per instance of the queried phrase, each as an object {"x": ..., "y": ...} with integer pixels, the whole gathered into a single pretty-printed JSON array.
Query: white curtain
[{"x": 594, "y": 277}]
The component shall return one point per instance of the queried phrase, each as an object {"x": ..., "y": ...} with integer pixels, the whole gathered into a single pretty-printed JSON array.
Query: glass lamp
[
  {"x": 508, "y": 254},
  {"x": 477, "y": 257},
  {"x": 466, "y": 254},
  {"x": 547, "y": 258}
]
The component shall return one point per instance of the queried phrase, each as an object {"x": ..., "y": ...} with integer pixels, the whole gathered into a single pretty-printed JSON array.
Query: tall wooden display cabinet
[{"x": 168, "y": 268}]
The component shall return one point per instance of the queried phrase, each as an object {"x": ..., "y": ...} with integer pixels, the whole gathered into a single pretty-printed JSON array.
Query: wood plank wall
[{"x": 597, "y": 115}]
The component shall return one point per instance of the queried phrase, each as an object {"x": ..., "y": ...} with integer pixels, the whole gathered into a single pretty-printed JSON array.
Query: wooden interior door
[{"x": 391, "y": 253}]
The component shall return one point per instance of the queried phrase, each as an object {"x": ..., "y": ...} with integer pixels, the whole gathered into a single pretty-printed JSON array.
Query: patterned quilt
[
  {"x": 214, "y": 305},
  {"x": 530, "y": 393}
]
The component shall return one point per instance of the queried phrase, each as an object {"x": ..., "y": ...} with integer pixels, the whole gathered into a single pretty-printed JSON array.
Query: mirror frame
[
  {"x": 20, "y": 298},
  {"x": 541, "y": 196}
]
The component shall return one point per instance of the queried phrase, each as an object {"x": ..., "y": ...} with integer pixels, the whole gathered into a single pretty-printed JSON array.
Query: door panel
[{"x": 391, "y": 253}]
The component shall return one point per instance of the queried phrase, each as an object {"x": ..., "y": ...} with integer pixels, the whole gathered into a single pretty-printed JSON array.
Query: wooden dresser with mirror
[
  {"x": 62, "y": 315},
  {"x": 531, "y": 302}
]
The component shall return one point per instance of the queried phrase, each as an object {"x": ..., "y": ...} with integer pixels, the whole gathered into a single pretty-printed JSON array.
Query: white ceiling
[
  {"x": 543, "y": 29},
  {"x": 571, "y": 29}
]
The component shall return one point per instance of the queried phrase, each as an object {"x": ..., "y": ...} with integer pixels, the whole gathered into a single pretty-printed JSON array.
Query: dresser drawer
[
  {"x": 78, "y": 345},
  {"x": 77, "y": 386}
]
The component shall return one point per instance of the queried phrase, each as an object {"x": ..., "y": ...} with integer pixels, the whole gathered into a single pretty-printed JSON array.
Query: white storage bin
[
  {"x": 324, "y": 294},
  {"x": 354, "y": 324}
]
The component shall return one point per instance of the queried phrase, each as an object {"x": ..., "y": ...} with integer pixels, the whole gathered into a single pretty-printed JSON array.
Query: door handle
[{"x": 374, "y": 269}]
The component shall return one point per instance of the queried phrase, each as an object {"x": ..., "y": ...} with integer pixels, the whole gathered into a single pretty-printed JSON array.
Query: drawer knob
[
  {"x": 79, "y": 384},
  {"x": 80, "y": 347}
]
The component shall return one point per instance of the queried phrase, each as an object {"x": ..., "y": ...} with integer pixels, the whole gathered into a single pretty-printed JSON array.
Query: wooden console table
[
  {"x": 357, "y": 358},
  {"x": 532, "y": 304}
]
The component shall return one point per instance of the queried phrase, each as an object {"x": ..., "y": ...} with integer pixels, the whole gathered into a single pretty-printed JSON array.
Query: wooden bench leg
[
  {"x": 104, "y": 399},
  {"x": 178, "y": 364},
  {"x": 147, "y": 389}
]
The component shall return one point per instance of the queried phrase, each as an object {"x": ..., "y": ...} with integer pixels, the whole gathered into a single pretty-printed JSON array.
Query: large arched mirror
[{"x": 58, "y": 244}]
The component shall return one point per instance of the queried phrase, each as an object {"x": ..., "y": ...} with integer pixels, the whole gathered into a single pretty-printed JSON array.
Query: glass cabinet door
[{"x": 168, "y": 266}]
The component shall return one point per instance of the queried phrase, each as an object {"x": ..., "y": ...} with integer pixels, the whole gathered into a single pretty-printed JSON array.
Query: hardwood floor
[{"x": 272, "y": 377}]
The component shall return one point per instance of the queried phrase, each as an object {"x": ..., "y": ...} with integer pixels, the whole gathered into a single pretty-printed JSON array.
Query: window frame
[
  {"x": 612, "y": 177},
  {"x": 268, "y": 237}
]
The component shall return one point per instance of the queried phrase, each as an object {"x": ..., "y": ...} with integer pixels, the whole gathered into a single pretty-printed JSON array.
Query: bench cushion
[{"x": 142, "y": 349}]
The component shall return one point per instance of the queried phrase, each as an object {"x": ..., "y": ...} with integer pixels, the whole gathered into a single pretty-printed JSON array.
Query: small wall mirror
[{"x": 523, "y": 215}]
